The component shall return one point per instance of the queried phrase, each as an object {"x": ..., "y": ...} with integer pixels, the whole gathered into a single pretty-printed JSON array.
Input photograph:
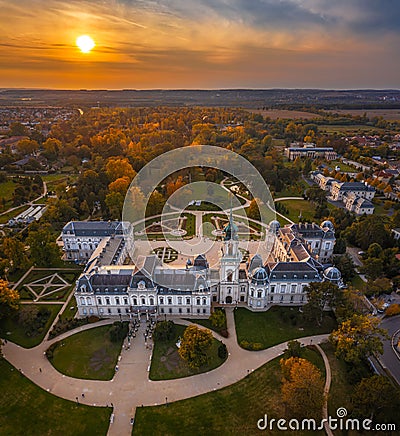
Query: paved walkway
[
  {"x": 328, "y": 379},
  {"x": 131, "y": 387}
]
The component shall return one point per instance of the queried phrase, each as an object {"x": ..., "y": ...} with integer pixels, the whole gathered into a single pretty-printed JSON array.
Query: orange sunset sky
[{"x": 201, "y": 44}]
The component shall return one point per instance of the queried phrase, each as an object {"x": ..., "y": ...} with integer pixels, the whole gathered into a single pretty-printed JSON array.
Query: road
[{"x": 390, "y": 359}]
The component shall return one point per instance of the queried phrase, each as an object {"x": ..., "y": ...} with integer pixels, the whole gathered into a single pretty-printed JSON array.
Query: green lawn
[
  {"x": 15, "y": 332},
  {"x": 233, "y": 410},
  {"x": 276, "y": 325},
  {"x": 166, "y": 364},
  {"x": 306, "y": 208},
  {"x": 7, "y": 216},
  {"x": 30, "y": 411},
  {"x": 89, "y": 354},
  {"x": 6, "y": 191}
]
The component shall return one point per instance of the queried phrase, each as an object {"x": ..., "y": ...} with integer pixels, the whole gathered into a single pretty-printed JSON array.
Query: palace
[{"x": 301, "y": 254}]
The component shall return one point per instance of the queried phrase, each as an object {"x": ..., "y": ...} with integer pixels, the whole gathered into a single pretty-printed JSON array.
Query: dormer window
[{"x": 83, "y": 288}]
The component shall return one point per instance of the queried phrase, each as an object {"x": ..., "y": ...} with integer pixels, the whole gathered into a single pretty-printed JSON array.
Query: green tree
[
  {"x": 319, "y": 296},
  {"x": 164, "y": 331},
  {"x": 294, "y": 349},
  {"x": 194, "y": 346},
  {"x": 372, "y": 395},
  {"x": 14, "y": 251},
  {"x": 372, "y": 268},
  {"x": 345, "y": 265},
  {"x": 357, "y": 338},
  {"x": 44, "y": 251}
]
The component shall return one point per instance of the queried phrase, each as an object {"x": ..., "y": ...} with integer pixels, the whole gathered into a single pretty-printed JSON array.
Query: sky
[{"x": 332, "y": 44}]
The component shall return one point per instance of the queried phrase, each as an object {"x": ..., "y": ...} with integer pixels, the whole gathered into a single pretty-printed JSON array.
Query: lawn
[
  {"x": 233, "y": 410},
  {"x": 28, "y": 410},
  {"x": 276, "y": 325},
  {"x": 166, "y": 364},
  {"x": 306, "y": 208},
  {"x": 7, "y": 216},
  {"x": 6, "y": 192},
  {"x": 15, "y": 332},
  {"x": 88, "y": 355}
]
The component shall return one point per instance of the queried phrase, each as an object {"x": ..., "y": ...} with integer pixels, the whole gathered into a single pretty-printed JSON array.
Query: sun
[{"x": 85, "y": 43}]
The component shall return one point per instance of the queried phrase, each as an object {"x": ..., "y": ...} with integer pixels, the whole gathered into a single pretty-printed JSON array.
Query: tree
[
  {"x": 294, "y": 349},
  {"x": 51, "y": 147},
  {"x": 218, "y": 318},
  {"x": 302, "y": 388},
  {"x": 18, "y": 129},
  {"x": 372, "y": 395},
  {"x": 164, "y": 331},
  {"x": 340, "y": 246},
  {"x": 319, "y": 296},
  {"x": 14, "y": 250},
  {"x": 345, "y": 265},
  {"x": 9, "y": 299},
  {"x": 254, "y": 212},
  {"x": 155, "y": 204},
  {"x": 27, "y": 146},
  {"x": 357, "y": 338},
  {"x": 44, "y": 251},
  {"x": 119, "y": 167},
  {"x": 372, "y": 268},
  {"x": 194, "y": 346}
]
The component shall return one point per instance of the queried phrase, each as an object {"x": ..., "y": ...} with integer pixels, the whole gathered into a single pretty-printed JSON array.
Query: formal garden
[
  {"x": 167, "y": 364},
  {"x": 260, "y": 330},
  {"x": 91, "y": 354}
]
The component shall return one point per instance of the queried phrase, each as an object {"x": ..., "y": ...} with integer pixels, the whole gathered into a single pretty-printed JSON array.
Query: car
[{"x": 361, "y": 253}]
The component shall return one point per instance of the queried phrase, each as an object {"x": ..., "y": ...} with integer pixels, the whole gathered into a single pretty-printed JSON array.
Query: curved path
[{"x": 131, "y": 387}]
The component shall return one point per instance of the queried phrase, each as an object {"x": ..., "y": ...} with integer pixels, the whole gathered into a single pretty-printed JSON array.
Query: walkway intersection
[{"x": 131, "y": 387}]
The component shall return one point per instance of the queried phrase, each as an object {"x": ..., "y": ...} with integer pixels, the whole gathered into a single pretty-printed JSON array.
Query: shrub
[
  {"x": 222, "y": 351},
  {"x": 224, "y": 333}
]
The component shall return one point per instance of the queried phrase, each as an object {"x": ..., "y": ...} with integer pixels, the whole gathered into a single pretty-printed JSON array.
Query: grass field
[
  {"x": 7, "y": 216},
  {"x": 29, "y": 411},
  {"x": 13, "y": 331},
  {"x": 233, "y": 410},
  {"x": 306, "y": 208},
  {"x": 89, "y": 354},
  {"x": 351, "y": 129},
  {"x": 386, "y": 114},
  {"x": 6, "y": 192},
  {"x": 278, "y": 324},
  {"x": 274, "y": 114},
  {"x": 166, "y": 364}
]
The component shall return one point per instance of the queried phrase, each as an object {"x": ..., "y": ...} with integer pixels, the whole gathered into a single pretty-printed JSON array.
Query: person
[
  {"x": 40, "y": 369},
  {"x": 83, "y": 395}
]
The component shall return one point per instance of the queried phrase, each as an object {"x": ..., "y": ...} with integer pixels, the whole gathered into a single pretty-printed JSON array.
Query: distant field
[
  {"x": 387, "y": 114},
  {"x": 282, "y": 113},
  {"x": 352, "y": 128}
]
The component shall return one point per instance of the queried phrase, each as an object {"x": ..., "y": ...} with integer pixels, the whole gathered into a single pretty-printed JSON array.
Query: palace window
[
  {"x": 187, "y": 300},
  {"x": 283, "y": 289},
  {"x": 229, "y": 290},
  {"x": 179, "y": 300},
  {"x": 99, "y": 301},
  {"x": 161, "y": 300},
  {"x": 89, "y": 301},
  {"x": 169, "y": 300},
  {"x": 125, "y": 301},
  {"x": 272, "y": 289},
  {"x": 204, "y": 301},
  {"x": 83, "y": 302},
  {"x": 135, "y": 301},
  {"x": 259, "y": 294},
  {"x": 198, "y": 301},
  {"x": 107, "y": 301},
  {"x": 116, "y": 300},
  {"x": 143, "y": 301},
  {"x": 151, "y": 301}
]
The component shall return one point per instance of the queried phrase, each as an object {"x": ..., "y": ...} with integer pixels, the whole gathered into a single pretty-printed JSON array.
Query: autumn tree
[
  {"x": 218, "y": 319},
  {"x": 194, "y": 346},
  {"x": 253, "y": 211},
  {"x": 27, "y": 146},
  {"x": 302, "y": 388},
  {"x": 357, "y": 338},
  {"x": 9, "y": 299},
  {"x": 119, "y": 167},
  {"x": 14, "y": 251}
]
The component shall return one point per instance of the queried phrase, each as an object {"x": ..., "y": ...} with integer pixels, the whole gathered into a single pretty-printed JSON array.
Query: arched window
[
  {"x": 83, "y": 288},
  {"x": 229, "y": 278},
  {"x": 198, "y": 301},
  {"x": 89, "y": 301},
  {"x": 229, "y": 290},
  {"x": 143, "y": 301},
  {"x": 83, "y": 302},
  {"x": 204, "y": 301},
  {"x": 151, "y": 301}
]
